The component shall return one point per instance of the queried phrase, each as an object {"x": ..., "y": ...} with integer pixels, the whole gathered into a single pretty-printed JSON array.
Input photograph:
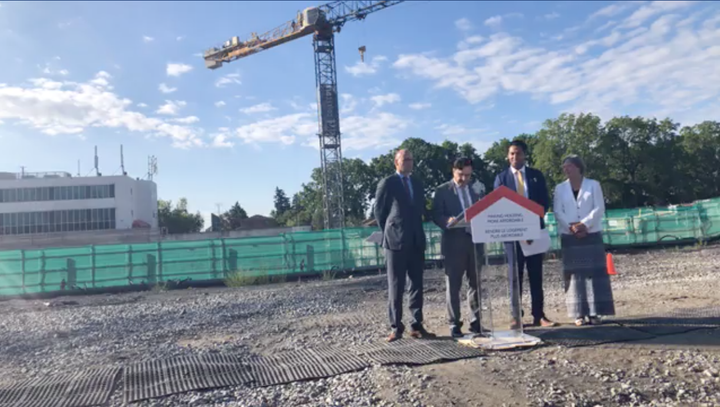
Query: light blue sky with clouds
[{"x": 79, "y": 74}]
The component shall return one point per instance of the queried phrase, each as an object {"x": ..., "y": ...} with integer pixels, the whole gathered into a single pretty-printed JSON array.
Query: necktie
[
  {"x": 406, "y": 183},
  {"x": 465, "y": 200},
  {"x": 466, "y": 203},
  {"x": 520, "y": 184}
]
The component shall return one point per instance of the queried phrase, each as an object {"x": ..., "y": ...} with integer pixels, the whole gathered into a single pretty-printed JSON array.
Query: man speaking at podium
[
  {"x": 451, "y": 200},
  {"x": 529, "y": 183},
  {"x": 399, "y": 210}
]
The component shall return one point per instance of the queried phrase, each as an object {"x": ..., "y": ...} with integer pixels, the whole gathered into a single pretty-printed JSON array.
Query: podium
[{"x": 501, "y": 216}]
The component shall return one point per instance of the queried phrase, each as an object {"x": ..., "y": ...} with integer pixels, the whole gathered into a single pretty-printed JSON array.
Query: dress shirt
[
  {"x": 412, "y": 193},
  {"x": 463, "y": 190}
]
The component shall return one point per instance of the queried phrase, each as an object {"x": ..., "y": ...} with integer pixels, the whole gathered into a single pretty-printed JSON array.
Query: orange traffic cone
[{"x": 610, "y": 265}]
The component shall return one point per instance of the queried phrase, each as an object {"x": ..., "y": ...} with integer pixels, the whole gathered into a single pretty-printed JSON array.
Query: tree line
[{"x": 639, "y": 162}]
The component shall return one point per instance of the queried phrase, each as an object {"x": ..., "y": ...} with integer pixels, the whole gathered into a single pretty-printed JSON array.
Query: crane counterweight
[{"x": 322, "y": 22}]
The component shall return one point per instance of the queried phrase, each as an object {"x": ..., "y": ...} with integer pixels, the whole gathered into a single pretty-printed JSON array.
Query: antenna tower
[{"x": 152, "y": 167}]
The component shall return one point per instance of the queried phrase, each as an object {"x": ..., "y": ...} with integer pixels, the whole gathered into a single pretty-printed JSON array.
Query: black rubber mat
[
  {"x": 590, "y": 336},
  {"x": 688, "y": 317},
  {"x": 302, "y": 365},
  {"x": 416, "y": 352},
  {"x": 664, "y": 330},
  {"x": 157, "y": 378},
  {"x": 86, "y": 388}
]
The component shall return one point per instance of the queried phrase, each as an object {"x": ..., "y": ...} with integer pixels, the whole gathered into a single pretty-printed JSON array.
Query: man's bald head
[{"x": 404, "y": 161}]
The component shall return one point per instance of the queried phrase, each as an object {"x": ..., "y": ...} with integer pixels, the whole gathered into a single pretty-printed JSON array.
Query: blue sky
[{"x": 80, "y": 74}]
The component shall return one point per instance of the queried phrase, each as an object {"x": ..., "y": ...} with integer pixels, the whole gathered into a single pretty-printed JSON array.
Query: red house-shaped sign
[{"x": 504, "y": 216}]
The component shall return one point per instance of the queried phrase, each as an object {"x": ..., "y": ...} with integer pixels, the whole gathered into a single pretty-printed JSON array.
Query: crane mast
[{"x": 322, "y": 22}]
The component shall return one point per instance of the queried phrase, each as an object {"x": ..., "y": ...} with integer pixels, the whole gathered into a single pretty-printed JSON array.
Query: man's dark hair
[
  {"x": 461, "y": 163},
  {"x": 519, "y": 144}
]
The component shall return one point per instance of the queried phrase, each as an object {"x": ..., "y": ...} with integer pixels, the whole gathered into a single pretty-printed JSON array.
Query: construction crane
[{"x": 323, "y": 22}]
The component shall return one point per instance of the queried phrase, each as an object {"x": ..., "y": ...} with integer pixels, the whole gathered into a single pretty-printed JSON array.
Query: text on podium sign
[{"x": 504, "y": 216}]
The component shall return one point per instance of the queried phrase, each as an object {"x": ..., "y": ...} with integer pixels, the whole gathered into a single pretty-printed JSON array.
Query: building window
[
  {"x": 57, "y": 193},
  {"x": 57, "y": 221}
]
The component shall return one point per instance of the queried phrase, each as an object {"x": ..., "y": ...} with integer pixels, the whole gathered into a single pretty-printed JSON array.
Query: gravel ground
[{"x": 115, "y": 330}]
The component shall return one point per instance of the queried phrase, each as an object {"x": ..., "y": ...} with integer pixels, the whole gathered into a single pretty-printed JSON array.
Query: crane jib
[{"x": 323, "y": 22}]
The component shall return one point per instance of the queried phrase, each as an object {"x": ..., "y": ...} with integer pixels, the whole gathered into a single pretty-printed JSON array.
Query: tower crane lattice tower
[{"x": 322, "y": 22}]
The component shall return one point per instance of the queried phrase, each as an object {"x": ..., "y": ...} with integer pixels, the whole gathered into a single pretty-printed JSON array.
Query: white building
[{"x": 57, "y": 202}]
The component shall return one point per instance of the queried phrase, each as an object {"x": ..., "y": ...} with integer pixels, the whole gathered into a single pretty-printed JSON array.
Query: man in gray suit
[
  {"x": 399, "y": 210},
  {"x": 451, "y": 199}
]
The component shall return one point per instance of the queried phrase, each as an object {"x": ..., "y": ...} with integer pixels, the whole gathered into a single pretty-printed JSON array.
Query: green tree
[
  {"x": 281, "y": 203},
  {"x": 701, "y": 162},
  {"x": 177, "y": 219},
  {"x": 233, "y": 217}
]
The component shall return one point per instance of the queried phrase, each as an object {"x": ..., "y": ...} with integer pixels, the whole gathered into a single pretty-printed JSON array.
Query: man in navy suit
[
  {"x": 530, "y": 183},
  {"x": 399, "y": 211}
]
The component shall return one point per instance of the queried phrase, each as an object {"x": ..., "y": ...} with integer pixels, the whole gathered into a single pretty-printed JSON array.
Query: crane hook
[{"x": 362, "y": 50}]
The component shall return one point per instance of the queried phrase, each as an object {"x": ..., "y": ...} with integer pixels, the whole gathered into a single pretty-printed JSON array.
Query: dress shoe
[
  {"x": 455, "y": 333},
  {"x": 394, "y": 336},
  {"x": 544, "y": 322},
  {"x": 475, "y": 327},
  {"x": 422, "y": 333}
]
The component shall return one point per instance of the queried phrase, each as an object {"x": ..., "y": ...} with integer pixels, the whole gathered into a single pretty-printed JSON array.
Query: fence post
[
  {"x": 160, "y": 263},
  {"x": 130, "y": 264},
  {"x": 22, "y": 258},
  {"x": 92, "y": 255},
  {"x": 224, "y": 258},
  {"x": 214, "y": 266},
  {"x": 43, "y": 265}
]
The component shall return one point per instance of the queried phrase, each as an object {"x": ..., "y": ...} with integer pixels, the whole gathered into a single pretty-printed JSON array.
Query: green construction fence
[{"x": 104, "y": 266}]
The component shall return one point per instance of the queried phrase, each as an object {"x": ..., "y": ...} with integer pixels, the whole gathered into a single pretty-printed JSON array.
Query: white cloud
[
  {"x": 419, "y": 106},
  {"x": 166, "y": 89},
  {"x": 147, "y": 39},
  {"x": 179, "y": 38},
  {"x": 656, "y": 7},
  {"x": 220, "y": 103},
  {"x": 142, "y": 105},
  {"x": 259, "y": 108},
  {"x": 455, "y": 130},
  {"x": 186, "y": 120},
  {"x": 467, "y": 42},
  {"x": 381, "y": 100},
  {"x": 51, "y": 68},
  {"x": 494, "y": 21},
  {"x": 283, "y": 129},
  {"x": 375, "y": 131},
  {"x": 463, "y": 24},
  {"x": 359, "y": 132},
  {"x": 221, "y": 141},
  {"x": 75, "y": 108},
  {"x": 664, "y": 63},
  {"x": 175, "y": 69},
  {"x": 171, "y": 108},
  {"x": 362, "y": 68},
  {"x": 550, "y": 16},
  {"x": 229, "y": 79},
  {"x": 349, "y": 103}
]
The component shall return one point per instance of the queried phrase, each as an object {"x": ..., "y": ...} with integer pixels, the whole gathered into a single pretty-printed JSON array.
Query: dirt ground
[{"x": 680, "y": 369}]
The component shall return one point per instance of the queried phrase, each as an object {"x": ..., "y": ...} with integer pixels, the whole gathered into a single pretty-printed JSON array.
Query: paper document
[
  {"x": 458, "y": 221},
  {"x": 541, "y": 245},
  {"x": 375, "y": 237}
]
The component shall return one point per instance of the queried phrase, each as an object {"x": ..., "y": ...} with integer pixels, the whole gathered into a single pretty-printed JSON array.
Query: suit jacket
[
  {"x": 537, "y": 188},
  {"x": 446, "y": 204},
  {"x": 399, "y": 217},
  {"x": 588, "y": 208}
]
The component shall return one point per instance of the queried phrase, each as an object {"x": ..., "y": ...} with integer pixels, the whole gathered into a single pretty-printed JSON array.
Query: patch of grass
[
  {"x": 329, "y": 275},
  {"x": 243, "y": 278}
]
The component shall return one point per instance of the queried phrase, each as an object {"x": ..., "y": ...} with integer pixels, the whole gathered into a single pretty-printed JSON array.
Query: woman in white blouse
[{"x": 579, "y": 206}]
